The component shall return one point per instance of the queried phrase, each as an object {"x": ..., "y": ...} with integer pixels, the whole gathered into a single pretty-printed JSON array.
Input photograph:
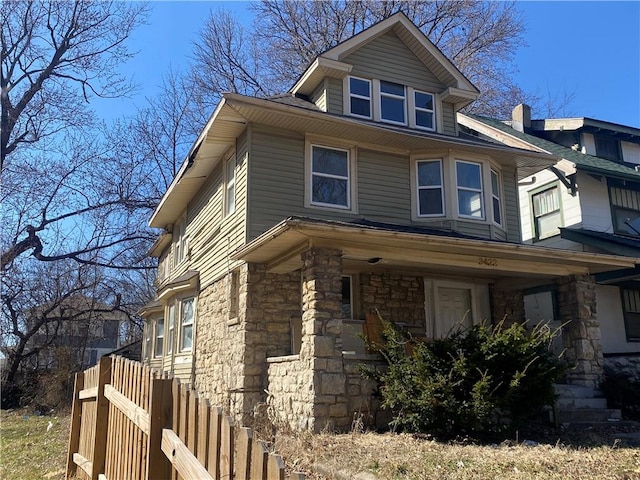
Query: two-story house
[
  {"x": 589, "y": 201},
  {"x": 295, "y": 218}
]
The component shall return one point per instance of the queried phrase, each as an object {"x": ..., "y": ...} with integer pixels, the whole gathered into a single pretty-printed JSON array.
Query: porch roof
[{"x": 389, "y": 245}]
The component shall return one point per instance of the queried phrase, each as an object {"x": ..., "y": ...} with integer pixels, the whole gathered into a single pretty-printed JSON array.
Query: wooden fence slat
[
  {"x": 158, "y": 465},
  {"x": 259, "y": 459},
  {"x": 138, "y": 415},
  {"x": 243, "y": 454},
  {"x": 127, "y": 429},
  {"x": 135, "y": 398},
  {"x": 119, "y": 472},
  {"x": 226, "y": 447},
  {"x": 83, "y": 463},
  {"x": 145, "y": 404},
  {"x": 182, "y": 459},
  {"x": 192, "y": 437},
  {"x": 102, "y": 419},
  {"x": 297, "y": 476},
  {"x": 215, "y": 441},
  {"x": 204, "y": 422},
  {"x": 76, "y": 424},
  {"x": 88, "y": 393},
  {"x": 175, "y": 421},
  {"x": 275, "y": 467}
]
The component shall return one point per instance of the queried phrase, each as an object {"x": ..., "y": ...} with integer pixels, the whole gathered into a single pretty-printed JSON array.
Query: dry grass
[
  {"x": 402, "y": 456},
  {"x": 27, "y": 450}
]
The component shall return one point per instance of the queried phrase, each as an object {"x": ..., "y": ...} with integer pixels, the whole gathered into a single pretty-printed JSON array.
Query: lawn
[{"x": 29, "y": 449}]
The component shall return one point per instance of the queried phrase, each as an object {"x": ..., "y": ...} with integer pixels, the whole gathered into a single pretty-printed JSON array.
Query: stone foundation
[
  {"x": 625, "y": 365},
  {"x": 506, "y": 305}
]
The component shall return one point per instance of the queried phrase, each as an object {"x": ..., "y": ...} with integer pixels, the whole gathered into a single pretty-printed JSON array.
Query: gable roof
[
  {"x": 504, "y": 134},
  {"x": 331, "y": 62}
]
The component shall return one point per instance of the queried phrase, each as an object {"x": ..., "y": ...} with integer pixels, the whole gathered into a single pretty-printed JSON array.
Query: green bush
[
  {"x": 483, "y": 380},
  {"x": 623, "y": 393}
]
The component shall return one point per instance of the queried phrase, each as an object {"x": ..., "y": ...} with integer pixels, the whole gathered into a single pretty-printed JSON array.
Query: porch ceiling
[{"x": 280, "y": 247}]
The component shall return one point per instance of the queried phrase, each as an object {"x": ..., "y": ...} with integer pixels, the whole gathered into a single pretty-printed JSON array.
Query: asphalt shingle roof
[{"x": 582, "y": 161}]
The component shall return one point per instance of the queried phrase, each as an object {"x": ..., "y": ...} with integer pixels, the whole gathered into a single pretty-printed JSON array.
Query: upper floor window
[
  {"x": 180, "y": 243},
  {"x": 392, "y": 102},
  {"x": 360, "y": 97},
  {"x": 430, "y": 192},
  {"x": 159, "y": 337},
  {"x": 469, "y": 184},
  {"x": 230, "y": 186},
  {"x": 330, "y": 177},
  {"x": 424, "y": 110},
  {"x": 546, "y": 212},
  {"x": 625, "y": 208},
  {"x": 186, "y": 324},
  {"x": 631, "y": 306},
  {"x": 607, "y": 147},
  {"x": 496, "y": 197}
]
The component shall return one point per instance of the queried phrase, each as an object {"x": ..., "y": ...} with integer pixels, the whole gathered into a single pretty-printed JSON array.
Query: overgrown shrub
[
  {"x": 624, "y": 393},
  {"x": 483, "y": 380}
]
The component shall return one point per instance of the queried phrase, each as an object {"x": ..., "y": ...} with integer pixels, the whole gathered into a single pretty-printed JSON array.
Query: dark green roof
[{"x": 582, "y": 161}]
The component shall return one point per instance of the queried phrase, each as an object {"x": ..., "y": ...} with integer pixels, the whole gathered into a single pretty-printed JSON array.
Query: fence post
[
  {"x": 76, "y": 418},
  {"x": 102, "y": 419},
  {"x": 160, "y": 410}
]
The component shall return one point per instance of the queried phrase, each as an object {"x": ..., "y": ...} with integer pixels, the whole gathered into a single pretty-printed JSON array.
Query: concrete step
[
  {"x": 589, "y": 415},
  {"x": 575, "y": 391},
  {"x": 573, "y": 403}
]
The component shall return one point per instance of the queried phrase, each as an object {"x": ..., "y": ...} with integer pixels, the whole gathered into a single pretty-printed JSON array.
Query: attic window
[
  {"x": 360, "y": 97},
  {"x": 392, "y": 102},
  {"x": 424, "y": 110}
]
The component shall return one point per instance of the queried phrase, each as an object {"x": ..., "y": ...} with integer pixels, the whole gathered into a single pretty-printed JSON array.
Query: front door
[{"x": 453, "y": 310}]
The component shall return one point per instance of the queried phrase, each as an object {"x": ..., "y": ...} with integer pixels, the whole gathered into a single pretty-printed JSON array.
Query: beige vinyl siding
[
  {"x": 182, "y": 368},
  {"x": 510, "y": 206},
  {"x": 388, "y": 58},
  {"x": 384, "y": 187},
  {"x": 156, "y": 363},
  {"x": 211, "y": 236},
  {"x": 334, "y": 96},
  {"x": 448, "y": 119},
  {"x": 319, "y": 96}
]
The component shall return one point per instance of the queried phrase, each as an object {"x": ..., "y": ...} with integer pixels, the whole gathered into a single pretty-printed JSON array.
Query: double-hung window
[
  {"x": 392, "y": 102},
  {"x": 172, "y": 324},
  {"x": 159, "y": 337},
  {"x": 496, "y": 197},
  {"x": 625, "y": 208},
  {"x": 230, "y": 186},
  {"x": 330, "y": 177},
  {"x": 631, "y": 307},
  {"x": 469, "y": 184},
  {"x": 186, "y": 326},
  {"x": 546, "y": 212},
  {"x": 360, "y": 97},
  {"x": 424, "y": 110},
  {"x": 430, "y": 192},
  {"x": 180, "y": 242}
]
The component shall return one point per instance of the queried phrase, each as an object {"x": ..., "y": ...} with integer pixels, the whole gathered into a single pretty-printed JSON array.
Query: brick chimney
[{"x": 521, "y": 117}]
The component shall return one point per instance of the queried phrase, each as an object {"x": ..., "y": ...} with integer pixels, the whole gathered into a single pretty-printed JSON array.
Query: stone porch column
[
  {"x": 507, "y": 305},
  {"x": 321, "y": 350},
  {"x": 581, "y": 331}
]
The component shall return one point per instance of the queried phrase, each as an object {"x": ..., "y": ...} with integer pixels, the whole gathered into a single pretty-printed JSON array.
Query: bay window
[
  {"x": 186, "y": 324},
  {"x": 430, "y": 192},
  {"x": 496, "y": 197},
  {"x": 469, "y": 185},
  {"x": 159, "y": 337}
]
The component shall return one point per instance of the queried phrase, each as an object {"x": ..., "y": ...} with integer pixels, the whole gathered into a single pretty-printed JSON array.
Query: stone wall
[
  {"x": 506, "y": 305},
  {"x": 290, "y": 398},
  {"x": 396, "y": 296},
  {"x": 581, "y": 331},
  {"x": 625, "y": 365},
  {"x": 362, "y": 406}
]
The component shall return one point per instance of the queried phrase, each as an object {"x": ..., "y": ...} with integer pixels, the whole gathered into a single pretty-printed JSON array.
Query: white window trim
[
  {"x": 413, "y": 109},
  {"x": 351, "y": 182},
  {"x": 482, "y": 189},
  {"x": 380, "y": 94},
  {"x": 347, "y": 96},
  {"x": 415, "y": 188},
  {"x": 181, "y": 348},
  {"x": 181, "y": 243},
  {"x": 532, "y": 193},
  {"x": 171, "y": 328},
  {"x": 500, "y": 196},
  {"x": 230, "y": 183},
  {"x": 157, "y": 337}
]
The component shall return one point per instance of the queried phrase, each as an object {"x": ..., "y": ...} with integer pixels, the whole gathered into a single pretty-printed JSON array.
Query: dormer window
[
  {"x": 424, "y": 110},
  {"x": 360, "y": 97},
  {"x": 392, "y": 102}
]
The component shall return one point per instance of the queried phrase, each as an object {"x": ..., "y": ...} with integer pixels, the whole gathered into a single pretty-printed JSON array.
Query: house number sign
[{"x": 488, "y": 261}]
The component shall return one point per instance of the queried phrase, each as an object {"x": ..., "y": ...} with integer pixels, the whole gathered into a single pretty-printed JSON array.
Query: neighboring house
[
  {"x": 590, "y": 201},
  {"x": 295, "y": 218},
  {"x": 78, "y": 332}
]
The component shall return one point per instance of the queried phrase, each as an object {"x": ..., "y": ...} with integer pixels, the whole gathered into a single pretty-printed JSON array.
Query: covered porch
[{"x": 429, "y": 280}]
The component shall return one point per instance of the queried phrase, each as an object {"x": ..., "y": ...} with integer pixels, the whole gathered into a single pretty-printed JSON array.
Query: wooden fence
[{"x": 129, "y": 423}]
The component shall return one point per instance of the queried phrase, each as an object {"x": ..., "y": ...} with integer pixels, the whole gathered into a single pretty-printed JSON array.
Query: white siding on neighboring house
[
  {"x": 630, "y": 152},
  {"x": 594, "y": 201},
  {"x": 610, "y": 317},
  {"x": 569, "y": 205}
]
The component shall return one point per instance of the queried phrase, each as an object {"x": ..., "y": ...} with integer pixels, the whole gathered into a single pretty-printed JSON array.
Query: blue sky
[{"x": 588, "y": 49}]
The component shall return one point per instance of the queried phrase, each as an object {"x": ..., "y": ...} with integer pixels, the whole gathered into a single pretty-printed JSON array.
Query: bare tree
[{"x": 479, "y": 37}]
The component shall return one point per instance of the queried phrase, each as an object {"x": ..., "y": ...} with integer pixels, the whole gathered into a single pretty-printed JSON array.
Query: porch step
[
  {"x": 578, "y": 403},
  {"x": 576, "y": 391},
  {"x": 589, "y": 415}
]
